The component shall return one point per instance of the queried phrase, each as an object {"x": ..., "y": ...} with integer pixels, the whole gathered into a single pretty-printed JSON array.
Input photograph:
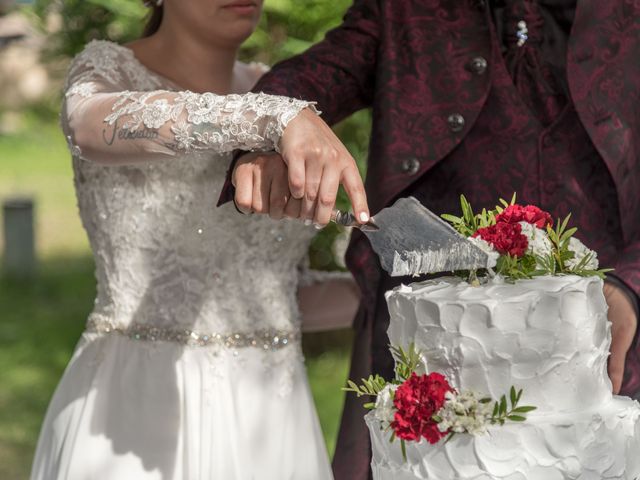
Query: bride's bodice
[{"x": 165, "y": 255}]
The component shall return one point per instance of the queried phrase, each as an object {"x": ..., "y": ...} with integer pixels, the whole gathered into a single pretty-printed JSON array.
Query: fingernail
[
  {"x": 364, "y": 217},
  {"x": 307, "y": 222},
  {"x": 317, "y": 226}
]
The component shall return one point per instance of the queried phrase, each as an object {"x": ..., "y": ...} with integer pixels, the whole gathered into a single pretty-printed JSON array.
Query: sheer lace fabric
[{"x": 111, "y": 100}]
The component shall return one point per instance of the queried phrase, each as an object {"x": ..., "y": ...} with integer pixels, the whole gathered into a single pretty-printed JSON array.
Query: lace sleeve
[{"x": 106, "y": 122}]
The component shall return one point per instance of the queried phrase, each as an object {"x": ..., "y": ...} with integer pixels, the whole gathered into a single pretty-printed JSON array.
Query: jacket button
[
  {"x": 478, "y": 65},
  {"x": 480, "y": 4},
  {"x": 456, "y": 122},
  {"x": 410, "y": 166},
  {"x": 548, "y": 141}
]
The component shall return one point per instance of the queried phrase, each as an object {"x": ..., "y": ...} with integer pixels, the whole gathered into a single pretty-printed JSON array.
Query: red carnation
[
  {"x": 530, "y": 214},
  {"x": 505, "y": 237},
  {"x": 416, "y": 401}
]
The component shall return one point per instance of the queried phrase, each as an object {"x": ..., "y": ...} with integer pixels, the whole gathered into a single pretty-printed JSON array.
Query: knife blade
[{"x": 411, "y": 240}]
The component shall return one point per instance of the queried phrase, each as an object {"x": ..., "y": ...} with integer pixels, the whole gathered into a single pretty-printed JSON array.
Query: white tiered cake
[{"x": 548, "y": 336}]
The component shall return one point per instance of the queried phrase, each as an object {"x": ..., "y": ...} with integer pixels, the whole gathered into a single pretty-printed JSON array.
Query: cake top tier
[{"x": 548, "y": 335}]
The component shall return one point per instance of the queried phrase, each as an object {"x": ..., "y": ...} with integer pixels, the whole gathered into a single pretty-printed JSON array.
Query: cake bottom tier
[{"x": 591, "y": 445}]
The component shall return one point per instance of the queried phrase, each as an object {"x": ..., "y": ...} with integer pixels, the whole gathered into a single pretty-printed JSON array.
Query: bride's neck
[{"x": 191, "y": 62}]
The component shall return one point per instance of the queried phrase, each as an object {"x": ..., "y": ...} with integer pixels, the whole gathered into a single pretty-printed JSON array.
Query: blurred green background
[{"x": 41, "y": 318}]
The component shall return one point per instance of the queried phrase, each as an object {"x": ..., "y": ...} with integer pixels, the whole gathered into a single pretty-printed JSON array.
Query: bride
[{"x": 190, "y": 366}]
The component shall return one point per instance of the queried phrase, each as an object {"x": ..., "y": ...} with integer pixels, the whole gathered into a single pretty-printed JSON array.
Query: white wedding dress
[{"x": 190, "y": 367}]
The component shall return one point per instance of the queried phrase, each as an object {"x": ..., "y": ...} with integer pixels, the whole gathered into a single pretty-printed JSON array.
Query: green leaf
[
  {"x": 503, "y": 405},
  {"x": 407, "y": 361},
  {"x": 512, "y": 394},
  {"x": 524, "y": 409},
  {"x": 496, "y": 408},
  {"x": 516, "y": 418},
  {"x": 565, "y": 222},
  {"x": 436, "y": 418},
  {"x": 451, "y": 218},
  {"x": 519, "y": 395},
  {"x": 449, "y": 437},
  {"x": 370, "y": 405},
  {"x": 568, "y": 234},
  {"x": 403, "y": 447},
  {"x": 485, "y": 400}
]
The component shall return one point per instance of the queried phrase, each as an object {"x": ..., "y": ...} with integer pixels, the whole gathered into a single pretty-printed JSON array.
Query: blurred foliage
[
  {"x": 85, "y": 20},
  {"x": 287, "y": 27}
]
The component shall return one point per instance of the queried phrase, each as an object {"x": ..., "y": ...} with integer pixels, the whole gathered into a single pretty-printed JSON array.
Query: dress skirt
[{"x": 141, "y": 410}]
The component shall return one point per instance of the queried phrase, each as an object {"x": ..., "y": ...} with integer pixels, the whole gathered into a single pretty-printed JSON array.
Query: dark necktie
[{"x": 532, "y": 76}]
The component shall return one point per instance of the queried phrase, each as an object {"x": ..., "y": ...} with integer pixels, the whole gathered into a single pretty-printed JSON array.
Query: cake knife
[{"x": 412, "y": 240}]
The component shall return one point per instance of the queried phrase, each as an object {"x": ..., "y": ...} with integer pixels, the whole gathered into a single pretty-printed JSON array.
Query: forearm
[{"x": 129, "y": 127}]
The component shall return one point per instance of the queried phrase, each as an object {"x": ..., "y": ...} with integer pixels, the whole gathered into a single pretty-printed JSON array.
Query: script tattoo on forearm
[{"x": 126, "y": 134}]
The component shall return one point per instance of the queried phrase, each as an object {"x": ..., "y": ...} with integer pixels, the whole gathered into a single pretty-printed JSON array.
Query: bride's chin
[{"x": 233, "y": 37}]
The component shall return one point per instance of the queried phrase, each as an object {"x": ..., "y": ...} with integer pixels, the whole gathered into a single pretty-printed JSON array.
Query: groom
[{"x": 481, "y": 97}]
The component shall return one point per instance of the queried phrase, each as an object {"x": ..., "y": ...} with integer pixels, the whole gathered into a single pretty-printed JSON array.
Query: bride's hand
[
  {"x": 318, "y": 163},
  {"x": 623, "y": 320}
]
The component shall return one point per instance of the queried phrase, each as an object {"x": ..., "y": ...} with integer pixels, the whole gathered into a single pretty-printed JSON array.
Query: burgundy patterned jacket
[
  {"x": 418, "y": 64},
  {"x": 414, "y": 62}
]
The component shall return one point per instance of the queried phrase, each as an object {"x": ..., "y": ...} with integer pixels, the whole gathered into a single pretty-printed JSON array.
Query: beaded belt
[{"x": 267, "y": 339}]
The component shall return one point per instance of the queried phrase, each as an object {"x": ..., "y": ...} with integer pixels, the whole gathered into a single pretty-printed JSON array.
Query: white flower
[
  {"x": 539, "y": 243},
  {"x": 487, "y": 248},
  {"x": 385, "y": 409},
  {"x": 203, "y": 108},
  {"x": 156, "y": 114},
  {"x": 464, "y": 413},
  {"x": 579, "y": 252},
  {"x": 183, "y": 136},
  {"x": 84, "y": 89}
]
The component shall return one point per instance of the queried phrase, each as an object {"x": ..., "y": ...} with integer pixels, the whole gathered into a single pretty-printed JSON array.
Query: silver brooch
[{"x": 522, "y": 33}]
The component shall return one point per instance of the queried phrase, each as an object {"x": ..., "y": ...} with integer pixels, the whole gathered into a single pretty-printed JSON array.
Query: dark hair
[{"x": 154, "y": 21}]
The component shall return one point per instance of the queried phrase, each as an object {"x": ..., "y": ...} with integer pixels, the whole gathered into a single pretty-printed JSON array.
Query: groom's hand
[
  {"x": 623, "y": 320},
  {"x": 262, "y": 185},
  {"x": 318, "y": 163}
]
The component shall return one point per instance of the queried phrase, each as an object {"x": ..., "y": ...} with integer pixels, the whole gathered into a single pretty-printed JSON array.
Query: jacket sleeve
[{"x": 337, "y": 73}]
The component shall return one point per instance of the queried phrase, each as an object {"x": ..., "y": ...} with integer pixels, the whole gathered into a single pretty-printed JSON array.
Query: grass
[
  {"x": 35, "y": 162},
  {"x": 41, "y": 319},
  {"x": 39, "y": 325}
]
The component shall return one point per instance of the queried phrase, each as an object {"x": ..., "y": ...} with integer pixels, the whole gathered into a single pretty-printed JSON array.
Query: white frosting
[
  {"x": 590, "y": 445},
  {"x": 549, "y": 336}
]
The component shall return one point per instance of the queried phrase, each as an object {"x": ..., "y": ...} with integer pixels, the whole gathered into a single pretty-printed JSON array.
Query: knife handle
[
  {"x": 348, "y": 219},
  {"x": 345, "y": 219}
]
